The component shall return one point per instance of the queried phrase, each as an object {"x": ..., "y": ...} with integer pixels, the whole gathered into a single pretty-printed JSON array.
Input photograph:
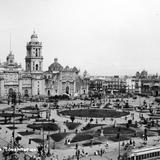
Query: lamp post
[
  {"x": 119, "y": 156},
  {"x": 14, "y": 97},
  {"x": 43, "y": 149}
]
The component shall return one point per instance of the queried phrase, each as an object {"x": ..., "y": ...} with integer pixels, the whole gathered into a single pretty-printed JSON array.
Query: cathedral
[{"x": 33, "y": 81}]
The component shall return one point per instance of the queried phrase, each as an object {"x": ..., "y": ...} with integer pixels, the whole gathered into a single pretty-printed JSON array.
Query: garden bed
[
  {"x": 90, "y": 126},
  {"x": 97, "y": 113},
  {"x": 81, "y": 137},
  {"x": 11, "y": 127},
  {"x": 91, "y": 143},
  {"x": 10, "y": 115},
  {"x": 45, "y": 126},
  {"x": 115, "y": 130},
  {"x": 24, "y": 133},
  {"x": 71, "y": 125},
  {"x": 115, "y": 139},
  {"x": 58, "y": 136},
  {"x": 37, "y": 140},
  {"x": 29, "y": 108}
]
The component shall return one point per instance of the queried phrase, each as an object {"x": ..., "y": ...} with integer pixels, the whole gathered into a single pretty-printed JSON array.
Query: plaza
[{"x": 94, "y": 137}]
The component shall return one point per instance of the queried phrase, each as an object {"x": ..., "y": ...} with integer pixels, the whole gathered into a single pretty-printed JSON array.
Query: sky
[{"x": 104, "y": 37}]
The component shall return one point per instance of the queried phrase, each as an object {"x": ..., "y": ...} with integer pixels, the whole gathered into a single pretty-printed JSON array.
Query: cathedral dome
[{"x": 55, "y": 66}]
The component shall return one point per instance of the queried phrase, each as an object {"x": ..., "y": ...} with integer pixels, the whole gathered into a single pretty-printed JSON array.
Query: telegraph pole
[
  {"x": 49, "y": 115},
  {"x": 14, "y": 102}
]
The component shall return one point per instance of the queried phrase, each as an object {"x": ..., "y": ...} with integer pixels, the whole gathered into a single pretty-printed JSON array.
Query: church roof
[
  {"x": 66, "y": 68},
  {"x": 75, "y": 70},
  {"x": 55, "y": 66}
]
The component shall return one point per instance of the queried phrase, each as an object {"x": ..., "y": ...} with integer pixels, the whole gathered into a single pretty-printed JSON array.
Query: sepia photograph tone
[{"x": 79, "y": 80}]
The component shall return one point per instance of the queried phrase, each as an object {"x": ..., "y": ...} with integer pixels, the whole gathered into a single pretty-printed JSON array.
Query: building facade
[
  {"x": 147, "y": 84},
  {"x": 115, "y": 84},
  {"x": 33, "y": 81},
  {"x": 64, "y": 80},
  {"x": 107, "y": 85},
  {"x": 130, "y": 84}
]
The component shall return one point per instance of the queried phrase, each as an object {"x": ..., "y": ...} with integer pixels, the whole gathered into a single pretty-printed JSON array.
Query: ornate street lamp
[
  {"x": 13, "y": 97},
  {"x": 49, "y": 115}
]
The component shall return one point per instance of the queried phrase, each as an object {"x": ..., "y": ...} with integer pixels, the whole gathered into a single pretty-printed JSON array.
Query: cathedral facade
[{"x": 33, "y": 81}]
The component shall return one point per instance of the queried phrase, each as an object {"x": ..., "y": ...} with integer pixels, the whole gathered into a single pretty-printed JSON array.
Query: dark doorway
[
  {"x": 49, "y": 93},
  {"x": 67, "y": 90},
  {"x": 36, "y": 67},
  {"x": 10, "y": 91},
  {"x": 26, "y": 93}
]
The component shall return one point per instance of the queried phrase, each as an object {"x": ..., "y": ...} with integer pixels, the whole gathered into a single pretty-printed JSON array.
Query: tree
[
  {"x": 17, "y": 139},
  {"x": 5, "y": 119},
  {"x": 126, "y": 105},
  {"x": 72, "y": 118},
  {"x": 136, "y": 124},
  {"x": 129, "y": 121},
  {"x": 21, "y": 120},
  {"x": 127, "y": 125},
  {"x": 53, "y": 120},
  {"x": 118, "y": 133},
  {"x": 91, "y": 120}
]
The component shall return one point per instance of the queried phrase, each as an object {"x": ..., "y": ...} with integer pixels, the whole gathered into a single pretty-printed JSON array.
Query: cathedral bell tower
[{"x": 34, "y": 58}]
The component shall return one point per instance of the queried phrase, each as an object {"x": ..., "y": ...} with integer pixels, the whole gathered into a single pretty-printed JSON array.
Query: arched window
[
  {"x": 36, "y": 67},
  {"x": 38, "y": 92},
  {"x": 33, "y": 66},
  {"x": 39, "y": 52},
  {"x": 36, "y": 52},
  {"x": 28, "y": 65}
]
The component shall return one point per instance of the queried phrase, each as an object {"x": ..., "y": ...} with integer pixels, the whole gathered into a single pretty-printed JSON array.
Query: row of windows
[
  {"x": 36, "y": 51},
  {"x": 117, "y": 87},
  {"x": 35, "y": 67},
  {"x": 145, "y": 156}
]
